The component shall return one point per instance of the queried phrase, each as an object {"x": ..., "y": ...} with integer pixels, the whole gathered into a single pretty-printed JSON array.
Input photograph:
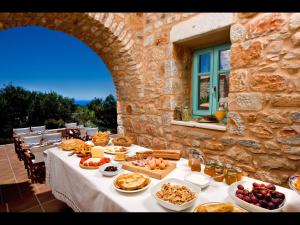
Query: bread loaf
[{"x": 167, "y": 154}]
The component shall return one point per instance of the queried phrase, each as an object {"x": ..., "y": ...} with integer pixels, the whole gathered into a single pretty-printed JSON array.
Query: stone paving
[{"x": 17, "y": 193}]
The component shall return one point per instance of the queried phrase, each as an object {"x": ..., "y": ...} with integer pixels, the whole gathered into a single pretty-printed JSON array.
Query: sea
[{"x": 82, "y": 102}]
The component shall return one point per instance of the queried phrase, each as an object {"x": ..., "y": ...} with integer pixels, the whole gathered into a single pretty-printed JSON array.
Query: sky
[{"x": 40, "y": 59}]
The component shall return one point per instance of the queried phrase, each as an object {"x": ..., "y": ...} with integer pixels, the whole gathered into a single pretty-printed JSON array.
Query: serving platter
[
  {"x": 112, "y": 149},
  {"x": 292, "y": 182},
  {"x": 131, "y": 191}
]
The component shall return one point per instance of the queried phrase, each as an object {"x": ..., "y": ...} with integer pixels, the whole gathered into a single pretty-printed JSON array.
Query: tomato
[
  {"x": 85, "y": 164},
  {"x": 91, "y": 163}
]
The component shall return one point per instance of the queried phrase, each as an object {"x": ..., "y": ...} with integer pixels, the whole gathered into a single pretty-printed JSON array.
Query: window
[{"x": 210, "y": 85}]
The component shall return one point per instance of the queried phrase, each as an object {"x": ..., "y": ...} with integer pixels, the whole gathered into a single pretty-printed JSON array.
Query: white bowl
[
  {"x": 170, "y": 205},
  {"x": 110, "y": 173},
  {"x": 249, "y": 207},
  {"x": 202, "y": 185}
]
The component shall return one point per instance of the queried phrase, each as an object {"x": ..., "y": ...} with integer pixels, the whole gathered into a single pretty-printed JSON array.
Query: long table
[{"x": 89, "y": 191}]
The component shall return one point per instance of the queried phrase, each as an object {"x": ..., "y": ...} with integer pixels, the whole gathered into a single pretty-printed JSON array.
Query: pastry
[
  {"x": 71, "y": 144},
  {"x": 100, "y": 138},
  {"x": 131, "y": 181},
  {"x": 120, "y": 157},
  {"x": 218, "y": 207},
  {"x": 122, "y": 140}
]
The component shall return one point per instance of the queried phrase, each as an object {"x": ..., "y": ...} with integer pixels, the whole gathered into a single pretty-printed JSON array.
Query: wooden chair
[{"x": 36, "y": 169}]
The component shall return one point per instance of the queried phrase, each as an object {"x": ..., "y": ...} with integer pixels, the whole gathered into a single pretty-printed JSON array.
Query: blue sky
[{"x": 40, "y": 59}]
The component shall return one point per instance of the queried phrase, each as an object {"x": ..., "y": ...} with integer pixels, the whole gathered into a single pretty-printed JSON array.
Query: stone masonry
[{"x": 153, "y": 75}]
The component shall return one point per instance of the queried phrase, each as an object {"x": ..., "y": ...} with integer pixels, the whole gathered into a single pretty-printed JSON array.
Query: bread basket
[{"x": 122, "y": 141}]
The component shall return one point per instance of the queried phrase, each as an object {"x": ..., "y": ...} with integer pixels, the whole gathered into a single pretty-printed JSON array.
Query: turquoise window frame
[{"x": 214, "y": 79}]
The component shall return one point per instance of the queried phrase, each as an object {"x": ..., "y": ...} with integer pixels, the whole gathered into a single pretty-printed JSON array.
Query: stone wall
[{"x": 153, "y": 75}]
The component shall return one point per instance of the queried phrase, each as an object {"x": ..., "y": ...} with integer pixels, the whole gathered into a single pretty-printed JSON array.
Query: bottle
[
  {"x": 185, "y": 114},
  {"x": 177, "y": 113}
]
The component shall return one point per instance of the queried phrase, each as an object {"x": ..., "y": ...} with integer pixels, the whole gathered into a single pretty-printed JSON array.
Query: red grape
[
  {"x": 280, "y": 195},
  {"x": 271, "y": 187},
  {"x": 241, "y": 187},
  {"x": 256, "y": 185},
  {"x": 239, "y": 192},
  {"x": 240, "y": 196},
  {"x": 259, "y": 196},
  {"x": 263, "y": 192},
  {"x": 271, "y": 205},
  {"x": 258, "y": 204},
  {"x": 254, "y": 199},
  {"x": 246, "y": 192},
  {"x": 247, "y": 199}
]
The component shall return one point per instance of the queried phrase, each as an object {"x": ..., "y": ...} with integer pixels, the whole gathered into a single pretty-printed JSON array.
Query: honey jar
[
  {"x": 196, "y": 160},
  {"x": 210, "y": 168},
  {"x": 227, "y": 167},
  {"x": 219, "y": 172},
  {"x": 231, "y": 176}
]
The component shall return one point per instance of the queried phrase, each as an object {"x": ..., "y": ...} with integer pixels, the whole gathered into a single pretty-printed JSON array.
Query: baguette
[{"x": 167, "y": 154}]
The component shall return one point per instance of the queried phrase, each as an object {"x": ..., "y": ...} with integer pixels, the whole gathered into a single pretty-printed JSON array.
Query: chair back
[
  {"x": 32, "y": 140},
  {"x": 52, "y": 137},
  {"x": 39, "y": 129},
  {"x": 22, "y": 135},
  {"x": 71, "y": 125},
  {"x": 90, "y": 131},
  {"x": 82, "y": 132},
  {"x": 24, "y": 130}
]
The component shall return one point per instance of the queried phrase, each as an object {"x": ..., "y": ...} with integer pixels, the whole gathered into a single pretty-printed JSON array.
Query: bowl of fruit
[
  {"x": 110, "y": 169},
  {"x": 257, "y": 197}
]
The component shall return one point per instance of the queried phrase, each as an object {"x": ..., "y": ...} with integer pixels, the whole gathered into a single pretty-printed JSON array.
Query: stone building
[{"x": 151, "y": 57}]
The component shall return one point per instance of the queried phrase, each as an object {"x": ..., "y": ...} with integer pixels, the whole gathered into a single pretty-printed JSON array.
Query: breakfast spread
[
  {"x": 261, "y": 195},
  {"x": 218, "y": 207},
  {"x": 131, "y": 181},
  {"x": 122, "y": 140},
  {"x": 93, "y": 163},
  {"x": 101, "y": 138},
  {"x": 175, "y": 194}
]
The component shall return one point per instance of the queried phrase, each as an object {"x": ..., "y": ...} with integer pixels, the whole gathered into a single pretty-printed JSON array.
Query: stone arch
[{"x": 104, "y": 33}]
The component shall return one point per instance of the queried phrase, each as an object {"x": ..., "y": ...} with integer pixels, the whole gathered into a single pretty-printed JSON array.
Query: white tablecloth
[{"x": 89, "y": 191}]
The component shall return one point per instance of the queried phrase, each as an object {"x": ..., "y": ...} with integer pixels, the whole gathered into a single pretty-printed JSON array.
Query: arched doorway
[{"x": 104, "y": 33}]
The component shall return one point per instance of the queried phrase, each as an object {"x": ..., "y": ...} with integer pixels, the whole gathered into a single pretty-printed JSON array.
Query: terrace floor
[{"x": 17, "y": 193}]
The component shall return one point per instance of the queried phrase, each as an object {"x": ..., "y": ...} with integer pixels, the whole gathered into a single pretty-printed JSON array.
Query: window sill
[{"x": 210, "y": 126}]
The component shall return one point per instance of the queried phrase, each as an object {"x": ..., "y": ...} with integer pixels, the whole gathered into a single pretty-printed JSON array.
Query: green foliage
[{"x": 23, "y": 108}]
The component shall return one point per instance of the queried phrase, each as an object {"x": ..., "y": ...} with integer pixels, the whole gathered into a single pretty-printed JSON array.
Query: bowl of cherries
[{"x": 257, "y": 197}]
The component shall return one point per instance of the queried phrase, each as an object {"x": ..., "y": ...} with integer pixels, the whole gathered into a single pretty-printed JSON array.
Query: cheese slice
[
  {"x": 97, "y": 152},
  {"x": 93, "y": 160}
]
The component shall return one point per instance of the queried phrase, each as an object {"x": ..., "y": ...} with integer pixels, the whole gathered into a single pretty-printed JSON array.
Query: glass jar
[
  {"x": 177, "y": 113},
  {"x": 227, "y": 167},
  {"x": 219, "y": 172},
  {"x": 210, "y": 168},
  {"x": 231, "y": 176},
  {"x": 191, "y": 151},
  {"x": 196, "y": 160},
  {"x": 240, "y": 173},
  {"x": 185, "y": 114}
]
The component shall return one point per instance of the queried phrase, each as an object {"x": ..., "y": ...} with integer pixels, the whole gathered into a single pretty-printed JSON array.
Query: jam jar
[
  {"x": 210, "y": 168},
  {"x": 196, "y": 160},
  {"x": 231, "y": 176},
  {"x": 227, "y": 166},
  {"x": 219, "y": 172}
]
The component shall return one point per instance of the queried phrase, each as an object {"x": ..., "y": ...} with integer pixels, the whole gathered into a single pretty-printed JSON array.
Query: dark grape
[
  {"x": 273, "y": 194},
  {"x": 264, "y": 203},
  {"x": 254, "y": 199},
  {"x": 256, "y": 185},
  {"x": 271, "y": 187},
  {"x": 268, "y": 197},
  {"x": 240, "y": 196},
  {"x": 239, "y": 192},
  {"x": 240, "y": 187},
  {"x": 247, "y": 199},
  {"x": 259, "y": 196},
  {"x": 271, "y": 205},
  {"x": 279, "y": 195},
  {"x": 246, "y": 192}
]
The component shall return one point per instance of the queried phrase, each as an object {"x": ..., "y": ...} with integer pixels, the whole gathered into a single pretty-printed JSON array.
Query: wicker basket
[
  {"x": 102, "y": 143},
  {"x": 115, "y": 141}
]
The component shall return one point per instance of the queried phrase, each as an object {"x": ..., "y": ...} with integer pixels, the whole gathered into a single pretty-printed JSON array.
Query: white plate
[
  {"x": 292, "y": 181},
  {"x": 110, "y": 173},
  {"x": 249, "y": 207},
  {"x": 133, "y": 191},
  {"x": 110, "y": 149},
  {"x": 170, "y": 205},
  {"x": 204, "y": 185}
]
